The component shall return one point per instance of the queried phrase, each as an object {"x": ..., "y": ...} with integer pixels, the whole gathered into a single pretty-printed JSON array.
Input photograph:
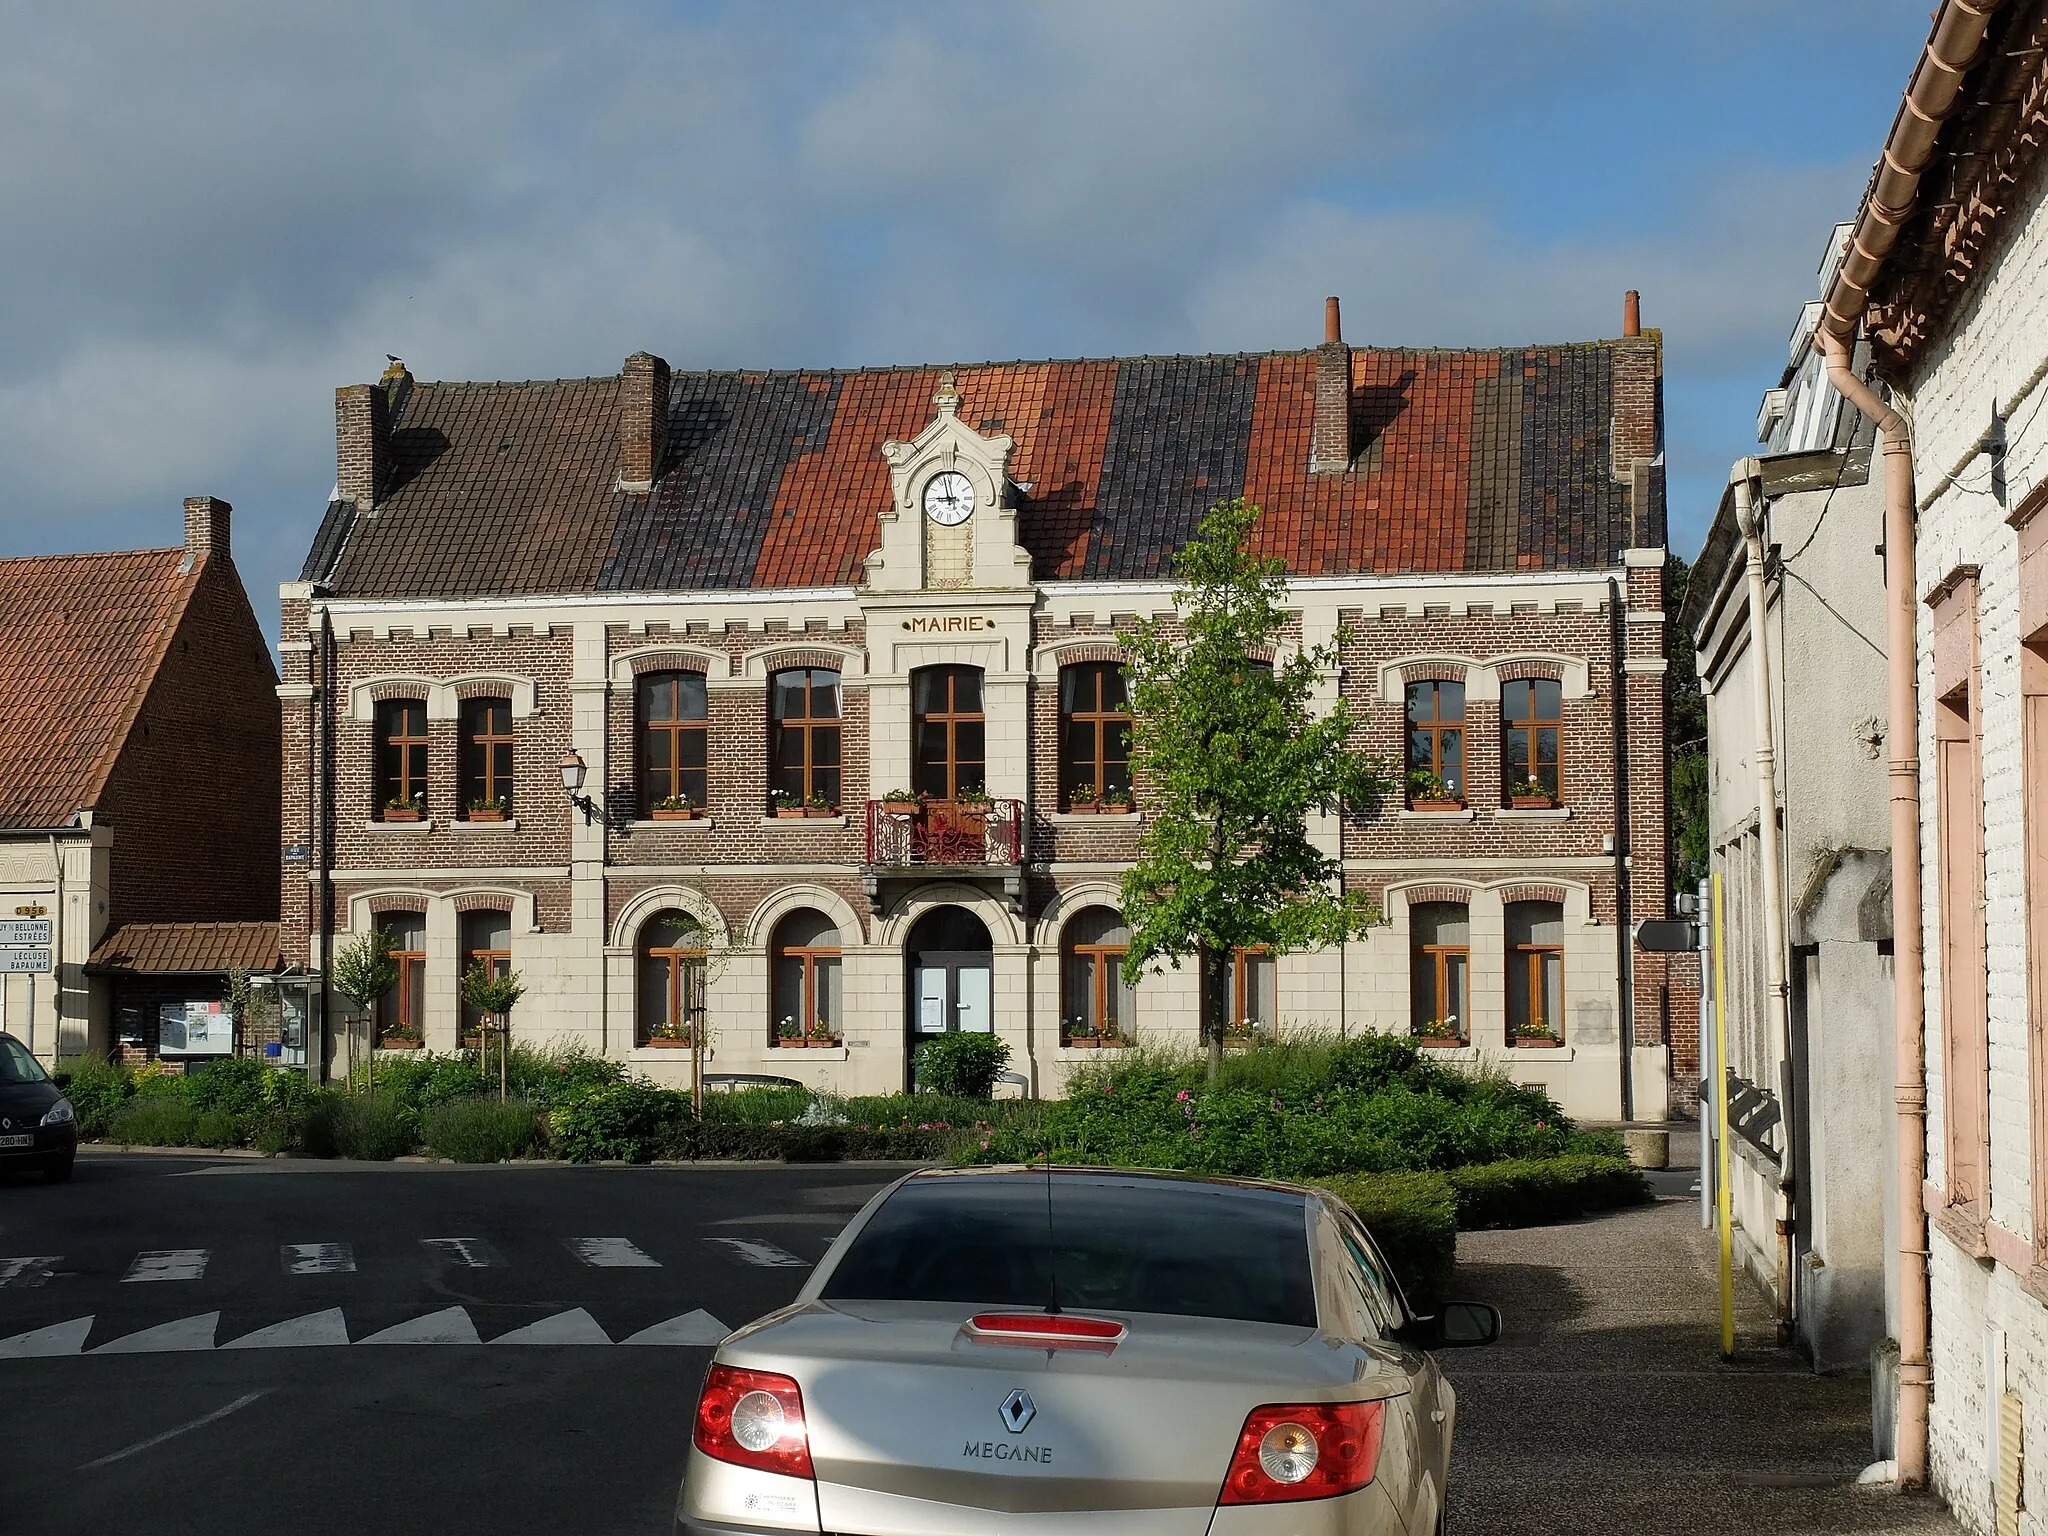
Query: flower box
[
  {"x": 665, "y": 1043},
  {"x": 399, "y": 1043},
  {"x": 1533, "y": 802},
  {"x": 402, "y": 813},
  {"x": 1436, "y": 805},
  {"x": 1441, "y": 1042},
  {"x": 790, "y": 813},
  {"x": 1537, "y": 1042},
  {"x": 494, "y": 813},
  {"x": 676, "y": 813},
  {"x": 828, "y": 1043},
  {"x": 900, "y": 807},
  {"x": 1085, "y": 1043},
  {"x": 821, "y": 812}
]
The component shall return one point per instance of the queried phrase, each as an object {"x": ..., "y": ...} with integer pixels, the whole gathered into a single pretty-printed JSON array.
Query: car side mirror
[
  {"x": 62, "y": 1079},
  {"x": 1456, "y": 1325}
]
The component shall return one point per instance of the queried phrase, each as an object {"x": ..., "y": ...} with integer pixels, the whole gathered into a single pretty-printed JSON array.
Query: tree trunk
[{"x": 1215, "y": 987}]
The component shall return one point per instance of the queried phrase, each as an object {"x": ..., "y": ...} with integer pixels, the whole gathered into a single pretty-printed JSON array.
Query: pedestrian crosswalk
[{"x": 167, "y": 1264}]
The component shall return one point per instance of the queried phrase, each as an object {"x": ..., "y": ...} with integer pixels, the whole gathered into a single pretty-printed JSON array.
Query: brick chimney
[
  {"x": 643, "y": 421},
  {"x": 362, "y": 440},
  {"x": 206, "y": 528},
  {"x": 1638, "y": 384},
  {"x": 1330, "y": 447}
]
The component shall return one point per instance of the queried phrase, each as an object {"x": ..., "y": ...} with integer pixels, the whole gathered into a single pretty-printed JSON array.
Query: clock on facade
[{"x": 949, "y": 498}]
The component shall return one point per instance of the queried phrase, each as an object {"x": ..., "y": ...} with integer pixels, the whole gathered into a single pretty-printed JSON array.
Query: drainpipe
[
  {"x": 1908, "y": 998},
  {"x": 1749, "y": 518},
  {"x": 1624, "y": 908}
]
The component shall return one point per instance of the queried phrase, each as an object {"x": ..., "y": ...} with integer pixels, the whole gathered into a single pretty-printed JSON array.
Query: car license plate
[{"x": 17, "y": 1141}]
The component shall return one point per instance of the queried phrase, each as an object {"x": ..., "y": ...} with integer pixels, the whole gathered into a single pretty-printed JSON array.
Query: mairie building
[{"x": 782, "y": 712}]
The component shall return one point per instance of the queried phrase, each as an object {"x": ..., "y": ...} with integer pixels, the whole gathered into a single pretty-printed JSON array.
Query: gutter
[{"x": 1953, "y": 45}]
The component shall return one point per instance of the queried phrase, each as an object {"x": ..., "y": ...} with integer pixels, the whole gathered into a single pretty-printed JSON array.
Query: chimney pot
[
  {"x": 1632, "y": 313},
  {"x": 362, "y": 441},
  {"x": 206, "y": 526},
  {"x": 643, "y": 421},
  {"x": 1333, "y": 326},
  {"x": 1330, "y": 442}
]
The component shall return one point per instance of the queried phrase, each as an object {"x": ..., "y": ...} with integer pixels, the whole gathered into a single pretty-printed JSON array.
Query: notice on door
[{"x": 931, "y": 1000}]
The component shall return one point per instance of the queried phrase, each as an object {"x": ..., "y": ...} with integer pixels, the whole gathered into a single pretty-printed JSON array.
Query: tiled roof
[
  {"x": 186, "y": 948},
  {"x": 1479, "y": 460},
  {"x": 81, "y": 637}
]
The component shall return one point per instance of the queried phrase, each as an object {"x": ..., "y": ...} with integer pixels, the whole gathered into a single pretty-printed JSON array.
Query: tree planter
[
  {"x": 692, "y": 813},
  {"x": 1537, "y": 1042},
  {"x": 1440, "y": 1043},
  {"x": 490, "y": 815},
  {"x": 1532, "y": 802},
  {"x": 410, "y": 813},
  {"x": 1430, "y": 806}
]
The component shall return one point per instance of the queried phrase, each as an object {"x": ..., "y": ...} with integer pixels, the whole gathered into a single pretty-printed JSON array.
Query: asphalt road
[{"x": 136, "y": 1304}]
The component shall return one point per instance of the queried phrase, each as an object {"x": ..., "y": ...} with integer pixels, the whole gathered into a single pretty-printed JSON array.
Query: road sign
[
  {"x": 1667, "y": 938},
  {"x": 19, "y": 931},
  {"x": 16, "y": 962}
]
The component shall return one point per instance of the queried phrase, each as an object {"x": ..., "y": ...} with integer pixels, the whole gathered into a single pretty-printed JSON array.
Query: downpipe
[{"x": 1745, "y": 479}]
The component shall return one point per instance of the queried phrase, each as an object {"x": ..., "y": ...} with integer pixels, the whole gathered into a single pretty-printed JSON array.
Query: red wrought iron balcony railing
[{"x": 956, "y": 833}]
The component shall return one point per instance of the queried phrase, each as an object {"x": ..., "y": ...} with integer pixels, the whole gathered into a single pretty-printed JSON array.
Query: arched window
[
  {"x": 803, "y": 738},
  {"x": 1255, "y": 989},
  {"x": 1095, "y": 732},
  {"x": 1436, "y": 741},
  {"x": 1440, "y": 965},
  {"x": 1096, "y": 1002},
  {"x": 1531, "y": 733},
  {"x": 675, "y": 746},
  {"x": 486, "y": 941},
  {"x": 401, "y": 1012},
  {"x": 671, "y": 977},
  {"x": 808, "y": 1002},
  {"x": 401, "y": 726},
  {"x": 950, "y": 734},
  {"x": 487, "y": 756},
  {"x": 1535, "y": 949}
]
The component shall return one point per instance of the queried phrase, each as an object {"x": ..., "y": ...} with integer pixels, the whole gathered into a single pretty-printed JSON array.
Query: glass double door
[{"x": 950, "y": 990}]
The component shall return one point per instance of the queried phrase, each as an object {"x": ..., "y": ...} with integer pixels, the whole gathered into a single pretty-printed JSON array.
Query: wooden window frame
[
  {"x": 952, "y": 719},
  {"x": 1103, "y": 962},
  {"x": 411, "y": 984},
  {"x": 403, "y": 759},
  {"x": 658, "y": 784},
  {"x": 483, "y": 744},
  {"x": 1436, "y": 728},
  {"x": 687, "y": 986},
  {"x": 1532, "y": 957},
  {"x": 810, "y": 956},
  {"x": 2033, "y": 582},
  {"x": 1527, "y": 728},
  {"x": 1240, "y": 985},
  {"x": 1439, "y": 957},
  {"x": 499, "y": 960},
  {"x": 1101, "y": 771},
  {"x": 807, "y": 729}
]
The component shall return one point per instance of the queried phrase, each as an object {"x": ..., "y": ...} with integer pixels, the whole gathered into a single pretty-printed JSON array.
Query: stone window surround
[{"x": 1486, "y": 904}]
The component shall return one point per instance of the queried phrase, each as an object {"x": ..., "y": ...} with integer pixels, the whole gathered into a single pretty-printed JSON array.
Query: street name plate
[
  {"x": 29, "y": 930},
  {"x": 16, "y": 962}
]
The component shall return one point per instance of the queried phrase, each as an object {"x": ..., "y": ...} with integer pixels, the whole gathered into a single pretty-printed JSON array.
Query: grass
[{"x": 479, "y": 1130}]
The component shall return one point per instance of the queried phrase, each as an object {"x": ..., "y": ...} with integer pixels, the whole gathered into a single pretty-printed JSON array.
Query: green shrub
[
  {"x": 631, "y": 1121},
  {"x": 962, "y": 1064},
  {"x": 1414, "y": 1219},
  {"x": 157, "y": 1120},
  {"x": 216, "y": 1128},
  {"x": 479, "y": 1130},
  {"x": 757, "y": 1106},
  {"x": 1527, "y": 1192},
  {"x": 97, "y": 1088},
  {"x": 372, "y": 1127},
  {"x": 235, "y": 1084}
]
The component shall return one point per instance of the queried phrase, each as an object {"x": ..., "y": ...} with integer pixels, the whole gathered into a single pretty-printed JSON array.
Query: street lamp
[{"x": 572, "y": 781}]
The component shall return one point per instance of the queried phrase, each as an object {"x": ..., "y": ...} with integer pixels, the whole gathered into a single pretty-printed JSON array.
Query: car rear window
[{"x": 1117, "y": 1245}]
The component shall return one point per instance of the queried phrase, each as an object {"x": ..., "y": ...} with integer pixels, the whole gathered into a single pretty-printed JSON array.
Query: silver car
[{"x": 1034, "y": 1352}]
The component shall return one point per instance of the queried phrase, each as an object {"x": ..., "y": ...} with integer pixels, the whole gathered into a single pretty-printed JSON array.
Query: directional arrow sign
[
  {"x": 1667, "y": 937},
  {"x": 17, "y": 961},
  {"x": 25, "y": 930}
]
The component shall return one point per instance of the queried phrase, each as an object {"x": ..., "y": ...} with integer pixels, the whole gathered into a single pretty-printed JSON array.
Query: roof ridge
[{"x": 93, "y": 554}]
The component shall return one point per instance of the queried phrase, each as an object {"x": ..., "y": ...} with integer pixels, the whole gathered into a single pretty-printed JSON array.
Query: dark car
[{"x": 37, "y": 1126}]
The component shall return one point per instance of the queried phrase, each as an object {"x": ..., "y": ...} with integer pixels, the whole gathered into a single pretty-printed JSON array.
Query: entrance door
[{"x": 951, "y": 977}]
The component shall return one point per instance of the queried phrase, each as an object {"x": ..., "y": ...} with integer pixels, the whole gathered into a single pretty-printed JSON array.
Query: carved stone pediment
[{"x": 979, "y": 554}]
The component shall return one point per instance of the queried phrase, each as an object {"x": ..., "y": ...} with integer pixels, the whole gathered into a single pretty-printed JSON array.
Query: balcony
[{"x": 958, "y": 835}]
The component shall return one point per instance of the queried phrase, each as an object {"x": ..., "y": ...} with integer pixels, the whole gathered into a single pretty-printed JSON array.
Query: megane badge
[{"x": 1017, "y": 1411}]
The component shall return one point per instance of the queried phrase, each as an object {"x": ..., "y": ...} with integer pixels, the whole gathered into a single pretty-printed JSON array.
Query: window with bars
[
  {"x": 808, "y": 1001},
  {"x": 402, "y": 1011},
  {"x": 670, "y": 1007},
  {"x": 803, "y": 738},
  {"x": 486, "y": 754},
  {"x": 950, "y": 733},
  {"x": 1096, "y": 1002},
  {"x": 1535, "y": 979},
  {"x": 1436, "y": 740},
  {"x": 1095, "y": 732},
  {"x": 1440, "y": 936},
  {"x": 1532, "y": 736},
  {"x": 675, "y": 739},
  {"x": 487, "y": 941},
  {"x": 401, "y": 727}
]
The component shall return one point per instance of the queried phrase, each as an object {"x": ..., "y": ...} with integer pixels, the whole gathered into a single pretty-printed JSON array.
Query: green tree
[
  {"x": 1231, "y": 758},
  {"x": 364, "y": 970},
  {"x": 1685, "y": 732},
  {"x": 493, "y": 993}
]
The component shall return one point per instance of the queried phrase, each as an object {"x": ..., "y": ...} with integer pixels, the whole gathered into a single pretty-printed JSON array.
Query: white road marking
[
  {"x": 451, "y": 1325},
  {"x": 698, "y": 1327},
  {"x": 610, "y": 1253},
  {"x": 23, "y": 1274},
  {"x": 463, "y": 1252},
  {"x": 167, "y": 1264},
  {"x": 753, "y": 1250},
  {"x": 185, "y": 1333},
  {"x": 318, "y": 1259},
  {"x": 311, "y": 1331},
  {"x": 575, "y": 1327},
  {"x": 57, "y": 1339},
  {"x": 171, "y": 1434}
]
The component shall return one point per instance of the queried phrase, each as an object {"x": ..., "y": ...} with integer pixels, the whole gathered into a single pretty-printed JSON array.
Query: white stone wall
[{"x": 1979, "y": 1309}]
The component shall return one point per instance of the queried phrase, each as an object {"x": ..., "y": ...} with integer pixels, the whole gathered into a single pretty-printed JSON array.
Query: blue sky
[{"x": 220, "y": 210}]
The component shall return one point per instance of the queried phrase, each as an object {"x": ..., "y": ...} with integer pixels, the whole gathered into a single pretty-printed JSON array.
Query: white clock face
[{"x": 949, "y": 498}]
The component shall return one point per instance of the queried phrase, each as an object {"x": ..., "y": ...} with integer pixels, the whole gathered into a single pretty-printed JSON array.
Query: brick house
[
  {"x": 139, "y": 750},
  {"x": 749, "y": 605}
]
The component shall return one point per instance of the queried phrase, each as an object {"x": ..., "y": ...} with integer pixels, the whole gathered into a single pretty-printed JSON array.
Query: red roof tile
[{"x": 187, "y": 948}]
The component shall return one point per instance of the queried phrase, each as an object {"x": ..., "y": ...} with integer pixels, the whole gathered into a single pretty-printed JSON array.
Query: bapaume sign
[{"x": 948, "y": 624}]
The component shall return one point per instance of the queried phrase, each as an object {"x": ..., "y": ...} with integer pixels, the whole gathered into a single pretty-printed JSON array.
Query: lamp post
[{"x": 573, "y": 770}]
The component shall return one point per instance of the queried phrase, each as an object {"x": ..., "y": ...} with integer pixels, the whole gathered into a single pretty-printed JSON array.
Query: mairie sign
[{"x": 32, "y": 930}]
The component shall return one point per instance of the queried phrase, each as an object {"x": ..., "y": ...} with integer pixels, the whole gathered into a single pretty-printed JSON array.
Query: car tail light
[
  {"x": 1290, "y": 1451},
  {"x": 1046, "y": 1330},
  {"x": 753, "y": 1419}
]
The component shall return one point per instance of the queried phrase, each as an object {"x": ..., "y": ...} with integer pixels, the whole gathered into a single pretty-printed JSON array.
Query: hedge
[{"x": 1414, "y": 1219}]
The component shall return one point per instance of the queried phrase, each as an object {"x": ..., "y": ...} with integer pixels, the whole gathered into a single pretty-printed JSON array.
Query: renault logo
[
  {"x": 1017, "y": 1411},
  {"x": 6, "y": 1124}
]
